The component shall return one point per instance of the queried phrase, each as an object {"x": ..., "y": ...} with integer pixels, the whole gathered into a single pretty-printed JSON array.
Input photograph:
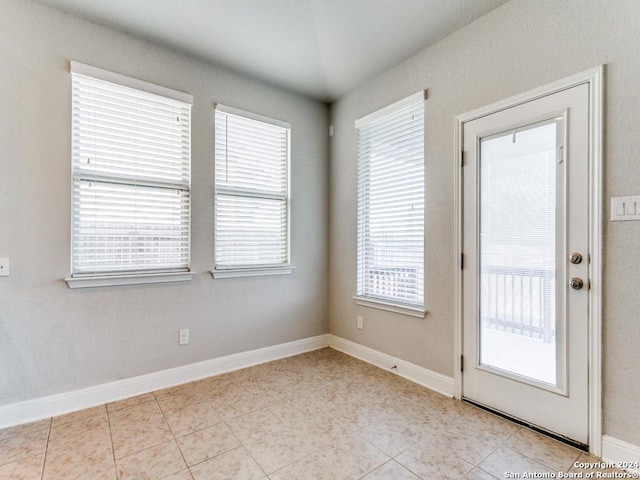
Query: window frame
[
  {"x": 254, "y": 270},
  {"x": 129, "y": 277},
  {"x": 387, "y": 304}
]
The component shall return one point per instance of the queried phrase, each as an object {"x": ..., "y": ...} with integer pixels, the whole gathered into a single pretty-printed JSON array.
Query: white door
[{"x": 525, "y": 276}]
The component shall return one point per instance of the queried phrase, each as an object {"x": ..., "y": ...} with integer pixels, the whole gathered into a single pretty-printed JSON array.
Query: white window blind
[
  {"x": 252, "y": 191},
  {"x": 390, "y": 244},
  {"x": 131, "y": 176}
]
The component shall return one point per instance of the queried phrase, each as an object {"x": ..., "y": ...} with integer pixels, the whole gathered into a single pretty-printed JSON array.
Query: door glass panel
[{"x": 519, "y": 188}]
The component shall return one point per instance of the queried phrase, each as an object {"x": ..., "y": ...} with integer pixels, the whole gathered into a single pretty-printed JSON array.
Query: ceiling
[{"x": 319, "y": 48}]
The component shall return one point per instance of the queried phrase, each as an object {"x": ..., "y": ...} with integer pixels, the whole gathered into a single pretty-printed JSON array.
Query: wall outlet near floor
[
  {"x": 5, "y": 267},
  {"x": 360, "y": 322},
  {"x": 183, "y": 338}
]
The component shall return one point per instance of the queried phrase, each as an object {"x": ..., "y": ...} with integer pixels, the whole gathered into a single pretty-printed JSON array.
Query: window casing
[
  {"x": 390, "y": 215},
  {"x": 251, "y": 194},
  {"x": 131, "y": 160}
]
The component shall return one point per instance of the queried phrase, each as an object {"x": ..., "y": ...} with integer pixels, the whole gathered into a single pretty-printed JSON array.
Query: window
[
  {"x": 131, "y": 180},
  {"x": 251, "y": 194},
  {"x": 390, "y": 244}
]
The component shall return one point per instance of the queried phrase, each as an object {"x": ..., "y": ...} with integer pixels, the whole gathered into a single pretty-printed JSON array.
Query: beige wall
[
  {"x": 521, "y": 45},
  {"x": 53, "y": 339}
]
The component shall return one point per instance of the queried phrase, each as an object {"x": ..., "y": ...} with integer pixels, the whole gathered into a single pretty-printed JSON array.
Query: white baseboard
[
  {"x": 53, "y": 405},
  {"x": 420, "y": 375},
  {"x": 622, "y": 454},
  {"x": 613, "y": 450}
]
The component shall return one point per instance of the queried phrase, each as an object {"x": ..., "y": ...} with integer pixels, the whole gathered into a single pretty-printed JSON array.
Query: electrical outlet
[
  {"x": 183, "y": 338},
  {"x": 5, "y": 267},
  {"x": 360, "y": 322}
]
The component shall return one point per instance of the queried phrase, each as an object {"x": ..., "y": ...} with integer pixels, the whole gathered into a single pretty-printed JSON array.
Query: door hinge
[
  {"x": 462, "y": 159},
  {"x": 462, "y": 261},
  {"x": 462, "y": 363}
]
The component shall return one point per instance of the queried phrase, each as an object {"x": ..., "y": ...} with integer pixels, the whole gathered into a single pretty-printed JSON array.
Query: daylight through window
[
  {"x": 131, "y": 175},
  {"x": 252, "y": 191},
  {"x": 390, "y": 247}
]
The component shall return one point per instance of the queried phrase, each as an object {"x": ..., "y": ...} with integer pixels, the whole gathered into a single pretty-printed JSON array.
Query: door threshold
[{"x": 568, "y": 441}]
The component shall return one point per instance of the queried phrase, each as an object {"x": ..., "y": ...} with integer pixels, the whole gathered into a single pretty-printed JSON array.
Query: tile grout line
[
  {"x": 148, "y": 447},
  {"x": 501, "y": 444},
  {"x": 46, "y": 449},
  {"x": 173, "y": 434},
  {"x": 171, "y": 431},
  {"x": 266, "y": 475},
  {"x": 482, "y": 470},
  {"x": 175, "y": 438},
  {"x": 113, "y": 447}
]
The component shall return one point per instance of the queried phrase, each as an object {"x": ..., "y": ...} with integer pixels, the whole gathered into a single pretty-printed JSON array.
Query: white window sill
[
  {"x": 251, "y": 272},
  {"x": 136, "y": 279},
  {"x": 391, "y": 307}
]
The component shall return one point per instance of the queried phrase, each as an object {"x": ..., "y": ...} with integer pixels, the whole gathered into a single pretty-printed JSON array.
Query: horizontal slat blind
[
  {"x": 390, "y": 248},
  {"x": 251, "y": 206},
  {"x": 131, "y": 180}
]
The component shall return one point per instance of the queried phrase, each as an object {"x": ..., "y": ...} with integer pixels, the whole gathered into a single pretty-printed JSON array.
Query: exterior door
[{"x": 526, "y": 262}]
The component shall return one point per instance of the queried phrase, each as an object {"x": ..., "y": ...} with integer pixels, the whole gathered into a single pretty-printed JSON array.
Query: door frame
[{"x": 595, "y": 79}]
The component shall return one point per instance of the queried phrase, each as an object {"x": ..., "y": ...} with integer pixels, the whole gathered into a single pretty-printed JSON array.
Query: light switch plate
[
  {"x": 5, "y": 267},
  {"x": 625, "y": 208}
]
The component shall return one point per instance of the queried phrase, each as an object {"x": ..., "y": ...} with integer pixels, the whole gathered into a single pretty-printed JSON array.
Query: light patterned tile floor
[{"x": 320, "y": 415}]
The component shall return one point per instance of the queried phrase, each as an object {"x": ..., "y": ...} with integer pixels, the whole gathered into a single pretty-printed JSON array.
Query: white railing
[
  {"x": 518, "y": 300},
  {"x": 393, "y": 282}
]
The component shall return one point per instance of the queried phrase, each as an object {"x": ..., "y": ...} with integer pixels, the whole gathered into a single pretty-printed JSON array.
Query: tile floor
[{"x": 316, "y": 416}]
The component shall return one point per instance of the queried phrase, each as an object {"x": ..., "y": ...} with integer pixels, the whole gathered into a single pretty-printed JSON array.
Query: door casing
[{"x": 595, "y": 79}]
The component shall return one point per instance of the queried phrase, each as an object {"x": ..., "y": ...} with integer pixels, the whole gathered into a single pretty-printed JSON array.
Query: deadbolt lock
[
  {"x": 575, "y": 258},
  {"x": 576, "y": 283}
]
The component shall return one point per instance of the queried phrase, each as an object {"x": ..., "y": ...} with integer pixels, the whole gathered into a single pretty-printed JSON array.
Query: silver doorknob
[
  {"x": 576, "y": 283},
  {"x": 575, "y": 258}
]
